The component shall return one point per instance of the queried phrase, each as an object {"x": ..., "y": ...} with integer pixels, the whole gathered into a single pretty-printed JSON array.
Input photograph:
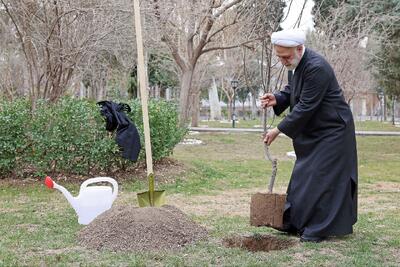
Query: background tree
[
  {"x": 387, "y": 59},
  {"x": 344, "y": 35},
  {"x": 192, "y": 28},
  {"x": 161, "y": 73},
  {"x": 59, "y": 38},
  {"x": 348, "y": 26}
]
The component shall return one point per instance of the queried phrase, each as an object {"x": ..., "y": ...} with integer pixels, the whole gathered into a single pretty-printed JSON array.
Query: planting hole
[{"x": 258, "y": 242}]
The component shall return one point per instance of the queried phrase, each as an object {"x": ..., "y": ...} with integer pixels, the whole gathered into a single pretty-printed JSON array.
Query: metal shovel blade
[
  {"x": 151, "y": 198},
  {"x": 145, "y": 200}
]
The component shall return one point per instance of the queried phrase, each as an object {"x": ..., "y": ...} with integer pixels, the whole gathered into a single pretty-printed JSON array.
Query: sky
[{"x": 307, "y": 23}]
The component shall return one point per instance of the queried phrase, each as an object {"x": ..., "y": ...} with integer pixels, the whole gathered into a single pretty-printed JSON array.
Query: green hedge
[
  {"x": 164, "y": 130},
  {"x": 70, "y": 136},
  {"x": 14, "y": 119}
]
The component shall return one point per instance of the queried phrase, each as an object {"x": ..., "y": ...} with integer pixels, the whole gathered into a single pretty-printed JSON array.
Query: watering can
[{"x": 92, "y": 200}]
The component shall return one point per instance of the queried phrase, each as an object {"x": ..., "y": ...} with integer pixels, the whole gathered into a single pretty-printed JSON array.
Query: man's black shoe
[{"x": 313, "y": 239}]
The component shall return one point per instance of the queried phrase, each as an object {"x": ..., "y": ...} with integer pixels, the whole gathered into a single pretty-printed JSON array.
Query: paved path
[{"x": 258, "y": 130}]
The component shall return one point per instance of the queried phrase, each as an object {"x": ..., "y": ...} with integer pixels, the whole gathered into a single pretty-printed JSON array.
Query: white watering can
[{"x": 92, "y": 200}]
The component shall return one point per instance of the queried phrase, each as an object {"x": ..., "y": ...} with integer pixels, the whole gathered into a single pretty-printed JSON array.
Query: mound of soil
[{"x": 141, "y": 229}]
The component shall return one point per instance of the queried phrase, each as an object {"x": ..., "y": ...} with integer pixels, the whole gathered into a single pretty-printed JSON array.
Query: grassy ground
[
  {"x": 360, "y": 125},
  {"x": 213, "y": 186}
]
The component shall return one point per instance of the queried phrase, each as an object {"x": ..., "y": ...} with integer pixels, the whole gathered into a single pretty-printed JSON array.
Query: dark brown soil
[
  {"x": 141, "y": 229},
  {"x": 166, "y": 171},
  {"x": 258, "y": 242}
]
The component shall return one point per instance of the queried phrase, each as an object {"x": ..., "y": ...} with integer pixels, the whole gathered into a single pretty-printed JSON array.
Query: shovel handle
[
  {"x": 143, "y": 87},
  {"x": 151, "y": 189}
]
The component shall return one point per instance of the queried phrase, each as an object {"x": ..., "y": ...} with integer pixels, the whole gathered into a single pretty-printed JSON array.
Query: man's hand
[
  {"x": 268, "y": 100},
  {"x": 271, "y": 135}
]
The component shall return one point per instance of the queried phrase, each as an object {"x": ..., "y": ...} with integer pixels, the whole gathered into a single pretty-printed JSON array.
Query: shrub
[
  {"x": 70, "y": 137},
  {"x": 14, "y": 116},
  {"x": 165, "y": 132}
]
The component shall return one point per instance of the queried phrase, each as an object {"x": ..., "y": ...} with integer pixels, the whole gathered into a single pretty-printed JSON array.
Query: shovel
[
  {"x": 266, "y": 209},
  {"x": 148, "y": 198}
]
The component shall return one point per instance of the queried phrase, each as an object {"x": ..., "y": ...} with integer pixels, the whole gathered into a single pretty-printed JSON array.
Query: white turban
[{"x": 288, "y": 38}]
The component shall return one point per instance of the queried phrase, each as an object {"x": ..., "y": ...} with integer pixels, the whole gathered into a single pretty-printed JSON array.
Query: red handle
[{"x": 49, "y": 182}]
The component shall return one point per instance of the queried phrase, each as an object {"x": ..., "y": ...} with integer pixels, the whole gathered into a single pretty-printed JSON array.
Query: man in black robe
[{"x": 322, "y": 192}]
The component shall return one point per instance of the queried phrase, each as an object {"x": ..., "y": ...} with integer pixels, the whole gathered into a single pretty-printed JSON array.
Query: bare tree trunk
[
  {"x": 253, "y": 106},
  {"x": 195, "y": 108},
  {"x": 393, "y": 110},
  {"x": 186, "y": 83},
  {"x": 229, "y": 109},
  {"x": 384, "y": 108},
  {"x": 243, "y": 110}
]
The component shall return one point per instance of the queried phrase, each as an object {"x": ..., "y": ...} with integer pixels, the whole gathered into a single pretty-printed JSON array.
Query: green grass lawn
[
  {"x": 213, "y": 186},
  {"x": 360, "y": 125}
]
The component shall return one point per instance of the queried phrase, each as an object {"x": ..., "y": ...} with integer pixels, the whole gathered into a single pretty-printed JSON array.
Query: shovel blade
[
  {"x": 267, "y": 209},
  {"x": 158, "y": 199}
]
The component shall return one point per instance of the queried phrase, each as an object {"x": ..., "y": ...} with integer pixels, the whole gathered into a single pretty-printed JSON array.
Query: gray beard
[
  {"x": 291, "y": 67},
  {"x": 295, "y": 63}
]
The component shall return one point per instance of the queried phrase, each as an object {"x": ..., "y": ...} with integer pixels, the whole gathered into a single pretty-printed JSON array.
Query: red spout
[{"x": 49, "y": 182}]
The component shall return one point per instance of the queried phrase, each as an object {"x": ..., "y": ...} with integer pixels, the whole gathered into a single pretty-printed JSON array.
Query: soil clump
[{"x": 141, "y": 229}]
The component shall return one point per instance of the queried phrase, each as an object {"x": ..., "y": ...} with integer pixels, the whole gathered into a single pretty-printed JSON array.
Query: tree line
[{"x": 87, "y": 47}]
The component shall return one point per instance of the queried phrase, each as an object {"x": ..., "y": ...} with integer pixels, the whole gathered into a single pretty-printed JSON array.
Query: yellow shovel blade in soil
[
  {"x": 144, "y": 199},
  {"x": 151, "y": 198}
]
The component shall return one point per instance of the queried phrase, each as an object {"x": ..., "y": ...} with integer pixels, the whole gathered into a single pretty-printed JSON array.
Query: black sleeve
[{"x": 316, "y": 82}]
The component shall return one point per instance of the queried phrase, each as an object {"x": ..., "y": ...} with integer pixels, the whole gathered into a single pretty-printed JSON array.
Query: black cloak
[
  {"x": 127, "y": 136},
  {"x": 322, "y": 192}
]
